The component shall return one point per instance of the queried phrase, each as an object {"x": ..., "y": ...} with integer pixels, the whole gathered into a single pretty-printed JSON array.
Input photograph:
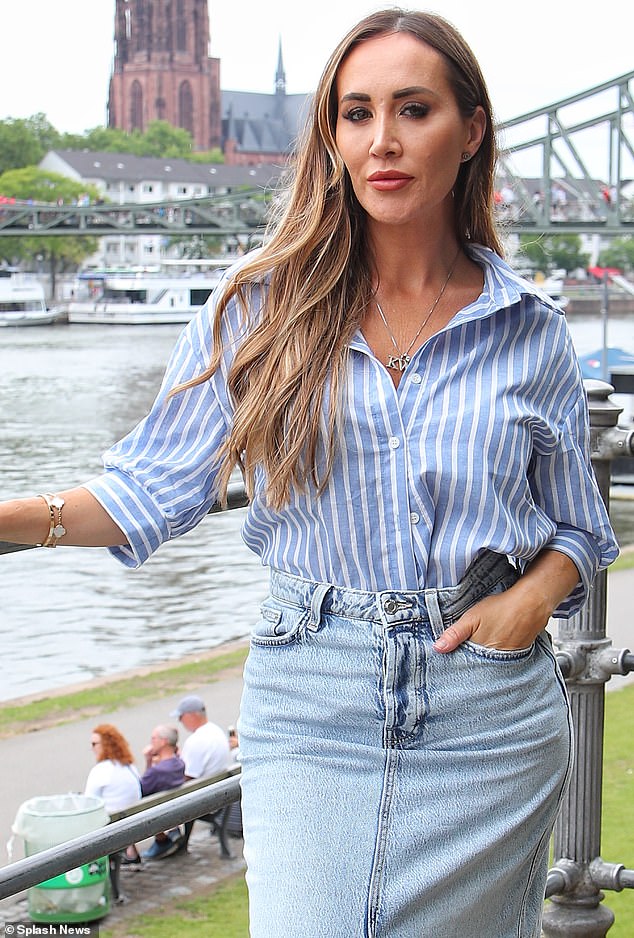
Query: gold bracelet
[{"x": 56, "y": 529}]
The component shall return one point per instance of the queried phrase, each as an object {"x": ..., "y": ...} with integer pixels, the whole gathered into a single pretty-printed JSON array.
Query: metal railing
[
  {"x": 116, "y": 836},
  {"x": 587, "y": 660}
]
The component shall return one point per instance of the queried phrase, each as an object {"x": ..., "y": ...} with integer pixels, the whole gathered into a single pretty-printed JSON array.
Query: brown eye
[
  {"x": 356, "y": 114},
  {"x": 415, "y": 109}
]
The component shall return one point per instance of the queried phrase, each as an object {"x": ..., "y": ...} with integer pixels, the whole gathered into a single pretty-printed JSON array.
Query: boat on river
[
  {"x": 142, "y": 298},
  {"x": 22, "y": 302}
]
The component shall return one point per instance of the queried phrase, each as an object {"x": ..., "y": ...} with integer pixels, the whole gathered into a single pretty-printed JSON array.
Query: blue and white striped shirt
[{"x": 483, "y": 445}]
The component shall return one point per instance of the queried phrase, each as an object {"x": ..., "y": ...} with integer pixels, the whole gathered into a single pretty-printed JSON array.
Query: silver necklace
[{"x": 401, "y": 360}]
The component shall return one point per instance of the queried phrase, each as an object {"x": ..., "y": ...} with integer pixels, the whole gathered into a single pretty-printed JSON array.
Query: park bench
[{"x": 218, "y": 821}]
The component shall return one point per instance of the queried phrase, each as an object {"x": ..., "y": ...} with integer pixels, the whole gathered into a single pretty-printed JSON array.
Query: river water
[{"x": 70, "y": 615}]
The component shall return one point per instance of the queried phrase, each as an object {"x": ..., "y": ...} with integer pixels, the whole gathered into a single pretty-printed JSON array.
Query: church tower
[{"x": 162, "y": 69}]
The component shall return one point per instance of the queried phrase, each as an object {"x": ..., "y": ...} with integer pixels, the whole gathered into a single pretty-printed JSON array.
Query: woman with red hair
[{"x": 115, "y": 777}]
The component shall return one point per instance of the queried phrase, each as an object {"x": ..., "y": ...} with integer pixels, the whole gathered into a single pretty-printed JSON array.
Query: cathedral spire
[{"x": 280, "y": 77}]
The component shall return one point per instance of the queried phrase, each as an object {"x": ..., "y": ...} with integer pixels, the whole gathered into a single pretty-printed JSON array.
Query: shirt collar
[{"x": 502, "y": 288}]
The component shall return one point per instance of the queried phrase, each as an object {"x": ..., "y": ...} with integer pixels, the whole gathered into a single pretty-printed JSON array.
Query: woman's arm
[
  {"x": 87, "y": 524},
  {"x": 513, "y": 619}
]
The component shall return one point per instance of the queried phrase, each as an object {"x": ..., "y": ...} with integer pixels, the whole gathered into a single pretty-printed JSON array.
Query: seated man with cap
[{"x": 206, "y": 750}]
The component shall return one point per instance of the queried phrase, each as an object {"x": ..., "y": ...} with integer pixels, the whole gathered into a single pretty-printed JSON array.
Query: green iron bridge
[{"x": 563, "y": 168}]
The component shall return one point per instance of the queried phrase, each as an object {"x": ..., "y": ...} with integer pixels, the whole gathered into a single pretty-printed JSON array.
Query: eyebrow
[{"x": 396, "y": 96}]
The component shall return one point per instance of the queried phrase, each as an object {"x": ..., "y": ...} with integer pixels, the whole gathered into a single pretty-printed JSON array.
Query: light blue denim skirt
[{"x": 390, "y": 791}]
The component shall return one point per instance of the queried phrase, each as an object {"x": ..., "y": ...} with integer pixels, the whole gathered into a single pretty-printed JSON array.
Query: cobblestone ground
[{"x": 154, "y": 883}]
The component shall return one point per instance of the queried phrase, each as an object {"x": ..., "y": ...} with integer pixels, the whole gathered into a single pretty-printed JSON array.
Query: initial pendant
[{"x": 398, "y": 362}]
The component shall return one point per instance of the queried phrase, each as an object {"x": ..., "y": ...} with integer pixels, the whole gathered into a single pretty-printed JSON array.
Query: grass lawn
[
  {"x": 222, "y": 914},
  {"x": 618, "y": 802}
]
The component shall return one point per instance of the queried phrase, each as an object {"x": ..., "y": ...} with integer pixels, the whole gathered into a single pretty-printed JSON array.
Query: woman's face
[
  {"x": 96, "y": 746},
  {"x": 400, "y": 132}
]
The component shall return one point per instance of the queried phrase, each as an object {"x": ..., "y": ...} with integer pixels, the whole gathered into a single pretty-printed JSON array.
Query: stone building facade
[{"x": 163, "y": 71}]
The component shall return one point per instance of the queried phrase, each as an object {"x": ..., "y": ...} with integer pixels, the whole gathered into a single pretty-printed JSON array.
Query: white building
[{"x": 125, "y": 178}]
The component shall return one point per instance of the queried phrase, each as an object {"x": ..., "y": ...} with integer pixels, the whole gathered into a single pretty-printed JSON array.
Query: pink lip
[{"x": 389, "y": 181}]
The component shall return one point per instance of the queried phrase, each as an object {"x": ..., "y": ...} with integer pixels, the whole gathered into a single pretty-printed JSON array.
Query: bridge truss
[
  {"x": 564, "y": 168},
  {"x": 570, "y": 165},
  {"x": 242, "y": 213}
]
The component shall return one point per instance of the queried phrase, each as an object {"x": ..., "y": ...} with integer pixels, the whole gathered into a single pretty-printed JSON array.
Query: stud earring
[{"x": 465, "y": 157}]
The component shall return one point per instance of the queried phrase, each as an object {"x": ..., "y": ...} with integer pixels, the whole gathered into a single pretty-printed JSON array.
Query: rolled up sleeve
[
  {"x": 565, "y": 487},
  {"x": 159, "y": 480}
]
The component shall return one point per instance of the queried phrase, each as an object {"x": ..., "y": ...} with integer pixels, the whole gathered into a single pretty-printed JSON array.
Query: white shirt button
[
  {"x": 416, "y": 379},
  {"x": 394, "y": 442},
  {"x": 414, "y": 517}
]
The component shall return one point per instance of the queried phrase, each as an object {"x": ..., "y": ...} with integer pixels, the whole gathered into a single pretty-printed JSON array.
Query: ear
[{"x": 476, "y": 127}]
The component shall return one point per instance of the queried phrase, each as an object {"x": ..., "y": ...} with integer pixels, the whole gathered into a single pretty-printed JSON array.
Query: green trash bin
[{"x": 81, "y": 894}]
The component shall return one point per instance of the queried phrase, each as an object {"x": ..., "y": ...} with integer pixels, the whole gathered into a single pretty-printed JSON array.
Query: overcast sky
[{"x": 57, "y": 54}]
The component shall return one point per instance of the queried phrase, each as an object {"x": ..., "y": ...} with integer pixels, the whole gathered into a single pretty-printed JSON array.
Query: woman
[
  {"x": 407, "y": 414},
  {"x": 114, "y": 777}
]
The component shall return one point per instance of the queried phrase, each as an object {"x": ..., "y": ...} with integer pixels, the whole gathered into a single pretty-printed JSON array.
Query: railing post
[{"x": 576, "y": 912}]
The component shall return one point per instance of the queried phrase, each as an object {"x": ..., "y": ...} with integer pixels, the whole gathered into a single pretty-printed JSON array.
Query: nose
[{"x": 385, "y": 141}]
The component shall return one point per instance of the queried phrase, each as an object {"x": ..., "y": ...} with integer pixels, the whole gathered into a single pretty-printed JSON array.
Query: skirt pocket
[{"x": 279, "y": 624}]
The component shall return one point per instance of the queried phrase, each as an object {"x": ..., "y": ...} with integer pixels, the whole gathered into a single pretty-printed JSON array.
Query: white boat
[
  {"x": 22, "y": 302},
  {"x": 142, "y": 298}
]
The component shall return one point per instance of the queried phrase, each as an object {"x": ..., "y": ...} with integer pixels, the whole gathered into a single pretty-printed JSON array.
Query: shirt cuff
[
  {"x": 133, "y": 510},
  {"x": 586, "y": 554}
]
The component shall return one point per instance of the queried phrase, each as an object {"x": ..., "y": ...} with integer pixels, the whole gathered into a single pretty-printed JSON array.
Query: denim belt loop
[
  {"x": 316, "y": 603},
  {"x": 434, "y": 611}
]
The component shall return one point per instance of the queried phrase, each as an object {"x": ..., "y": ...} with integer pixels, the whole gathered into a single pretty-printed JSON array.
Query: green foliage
[
  {"x": 207, "y": 156},
  {"x": 160, "y": 139},
  {"x": 41, "y": 185},
  {"x": 104, "y": 140},
  {"x": 551, "y": 252},
  {"x": 58, "y": 252},
  {"x": 620, "y": 253},
  {"x": 26, "y": 142},
  {"x": 18, "y": 145}
]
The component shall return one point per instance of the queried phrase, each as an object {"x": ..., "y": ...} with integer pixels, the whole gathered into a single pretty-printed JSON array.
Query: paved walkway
[{"x": 57, "y": 760}]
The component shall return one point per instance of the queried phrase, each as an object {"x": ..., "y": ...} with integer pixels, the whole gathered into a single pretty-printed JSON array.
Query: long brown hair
[
  {"x": 318, "y": 275},
  {"x": 113, "y": 744}
]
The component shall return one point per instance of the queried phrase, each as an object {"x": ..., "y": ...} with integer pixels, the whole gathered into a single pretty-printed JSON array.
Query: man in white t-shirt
[{"x": 206, "y": 750}]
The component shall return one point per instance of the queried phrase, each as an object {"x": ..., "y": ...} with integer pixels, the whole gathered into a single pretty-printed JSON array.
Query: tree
[
  {"x": 23, "y": 142},
  {"x": 160, "y": 139},
  {"x": 17, "y": 144},
  {"x": 550, "y": 252},
  {"x": 620, "y": 254},
  {"x": 207, "y": 156},
  {"x": 59, "y": 252},
  {"x": 26, "y": 142},
  {"x": 102, "y": 140}
]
